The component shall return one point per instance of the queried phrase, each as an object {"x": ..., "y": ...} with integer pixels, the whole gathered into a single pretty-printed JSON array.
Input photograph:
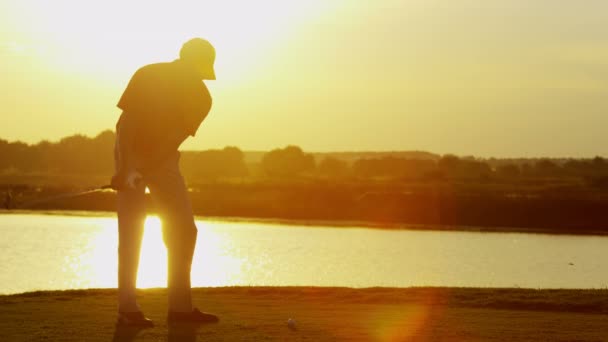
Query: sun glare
[
  {"x": 153, "y": 260},
  {"x": 117, "y": 37},
  {"x": 103, "y": 264},
  {"x": 213, "y": 265}
]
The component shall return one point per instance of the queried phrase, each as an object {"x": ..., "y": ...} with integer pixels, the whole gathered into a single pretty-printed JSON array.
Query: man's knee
[
  {"x": 191, "y": 231},
  {"x": 179, "y": 233}
]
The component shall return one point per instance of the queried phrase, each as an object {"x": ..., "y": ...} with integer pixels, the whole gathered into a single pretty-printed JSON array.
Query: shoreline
[
  {"x": 353, "y": 224},
  {"x": 576, "y": 300}
]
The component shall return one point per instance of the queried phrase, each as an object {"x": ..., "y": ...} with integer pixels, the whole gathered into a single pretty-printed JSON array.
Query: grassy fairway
[{"x": 322, "y": 314}]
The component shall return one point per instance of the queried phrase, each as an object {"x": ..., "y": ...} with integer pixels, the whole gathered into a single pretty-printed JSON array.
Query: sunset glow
[
  {"x": 120, "y": 36},
  {"x": 334, "y": 75},
  {"x": 382, "y": 170}
]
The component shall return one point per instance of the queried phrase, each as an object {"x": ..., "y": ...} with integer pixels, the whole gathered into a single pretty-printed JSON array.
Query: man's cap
[{"x": 200, "y": 52}]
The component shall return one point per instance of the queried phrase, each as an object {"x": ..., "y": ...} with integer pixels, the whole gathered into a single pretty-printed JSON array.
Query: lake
[{"x": 45, "y": 252}]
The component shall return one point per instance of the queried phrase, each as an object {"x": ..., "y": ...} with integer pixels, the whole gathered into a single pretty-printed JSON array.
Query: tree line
[{"x": 83, "y": 155}]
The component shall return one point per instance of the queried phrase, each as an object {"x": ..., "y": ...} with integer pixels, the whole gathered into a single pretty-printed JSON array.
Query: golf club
[{"x": 32, "y": 203}]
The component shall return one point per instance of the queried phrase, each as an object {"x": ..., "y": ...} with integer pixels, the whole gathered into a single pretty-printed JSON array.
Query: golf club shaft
[{"x": 63, "y": 196}]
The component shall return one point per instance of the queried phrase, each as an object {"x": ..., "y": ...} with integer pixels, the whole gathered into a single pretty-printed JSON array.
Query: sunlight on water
[
  {"x": 153, "y": 261},
  {"x": 214, "y": 261},
  {"x": 41, "y": 252},
  {"x": 102, "y": 263},
  {"x": 213, "y": 264}
]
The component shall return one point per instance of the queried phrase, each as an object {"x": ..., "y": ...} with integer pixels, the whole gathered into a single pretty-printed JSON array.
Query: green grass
[{"x": 323, "y": 314}]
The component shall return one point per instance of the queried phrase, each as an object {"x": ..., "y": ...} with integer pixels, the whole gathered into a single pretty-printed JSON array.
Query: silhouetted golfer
[{"x": 163, "y": 104}]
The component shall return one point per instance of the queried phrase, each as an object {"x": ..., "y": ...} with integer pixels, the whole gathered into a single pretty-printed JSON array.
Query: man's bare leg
[
  {"x": 131, "y": 218},
  {"x": 170, "y": 194}
]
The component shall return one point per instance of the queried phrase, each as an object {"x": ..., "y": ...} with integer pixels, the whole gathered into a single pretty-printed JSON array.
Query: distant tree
[
  {"x": 449, "y": 164},
  {"x": 42, "y": 154},
  {"x": 71, "y": 155},
  {"x": 455, "y": 167},
  {"x": 234, "y": 160},
  {"x": 18, "y": 156},
  {"x": 393, "y": 167},
  {"x": 81, "y": 154},
  {"x": 333, "y": 167},
  {"x": 476, "y": 169},
  {"x": 417, "y": 168},
  {"x": 547, "y": 168},
  {"x": 103, "y": 147},
  {"x": 5, "y": 158},
  {"x": 526, "y": 169},
  {"x": 213, "y": 164},
  {"x": 364, "y": 167},
  {"x": 287, "y": 162},
  {"x": 599, "y": 161},
  {"x": 509, "y": 170}
]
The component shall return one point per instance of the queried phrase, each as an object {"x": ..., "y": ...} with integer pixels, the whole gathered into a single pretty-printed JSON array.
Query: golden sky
[{"x": 486, "y": 77}]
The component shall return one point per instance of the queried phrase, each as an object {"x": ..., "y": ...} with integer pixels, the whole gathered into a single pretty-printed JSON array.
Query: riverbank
[
  {"x": 388, "y": 206},
  {"x": 322, "y": 314},
  {"x": 280, "y": 222}
]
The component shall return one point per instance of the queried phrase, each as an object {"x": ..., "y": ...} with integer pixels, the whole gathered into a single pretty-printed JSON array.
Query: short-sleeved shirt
[{"x": 164, "y": 100}]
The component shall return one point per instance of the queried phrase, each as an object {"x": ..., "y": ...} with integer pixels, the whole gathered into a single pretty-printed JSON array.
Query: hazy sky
[{"x": 486, "y": 77}]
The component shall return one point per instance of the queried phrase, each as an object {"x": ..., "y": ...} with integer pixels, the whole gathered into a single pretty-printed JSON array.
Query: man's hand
[{"x": 126, "y": 180}]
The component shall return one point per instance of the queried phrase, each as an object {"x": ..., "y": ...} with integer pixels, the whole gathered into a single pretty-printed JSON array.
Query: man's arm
[{"x": 126, "y": 173}]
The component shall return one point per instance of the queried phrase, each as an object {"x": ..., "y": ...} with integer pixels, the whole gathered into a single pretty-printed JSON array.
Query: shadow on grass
[
  {"x": 182, "y": 332},
  {"x": 125, "y": 333},
  {"x": 176, "y": 333}
]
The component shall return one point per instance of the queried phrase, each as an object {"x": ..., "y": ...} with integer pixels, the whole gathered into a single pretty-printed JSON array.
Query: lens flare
[{"x": 409, "y": 321}]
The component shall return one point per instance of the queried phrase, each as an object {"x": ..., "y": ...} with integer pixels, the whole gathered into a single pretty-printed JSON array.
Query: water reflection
[
  {"x": 214, "y": 263},
  {"x": 63, "y": 252}
]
